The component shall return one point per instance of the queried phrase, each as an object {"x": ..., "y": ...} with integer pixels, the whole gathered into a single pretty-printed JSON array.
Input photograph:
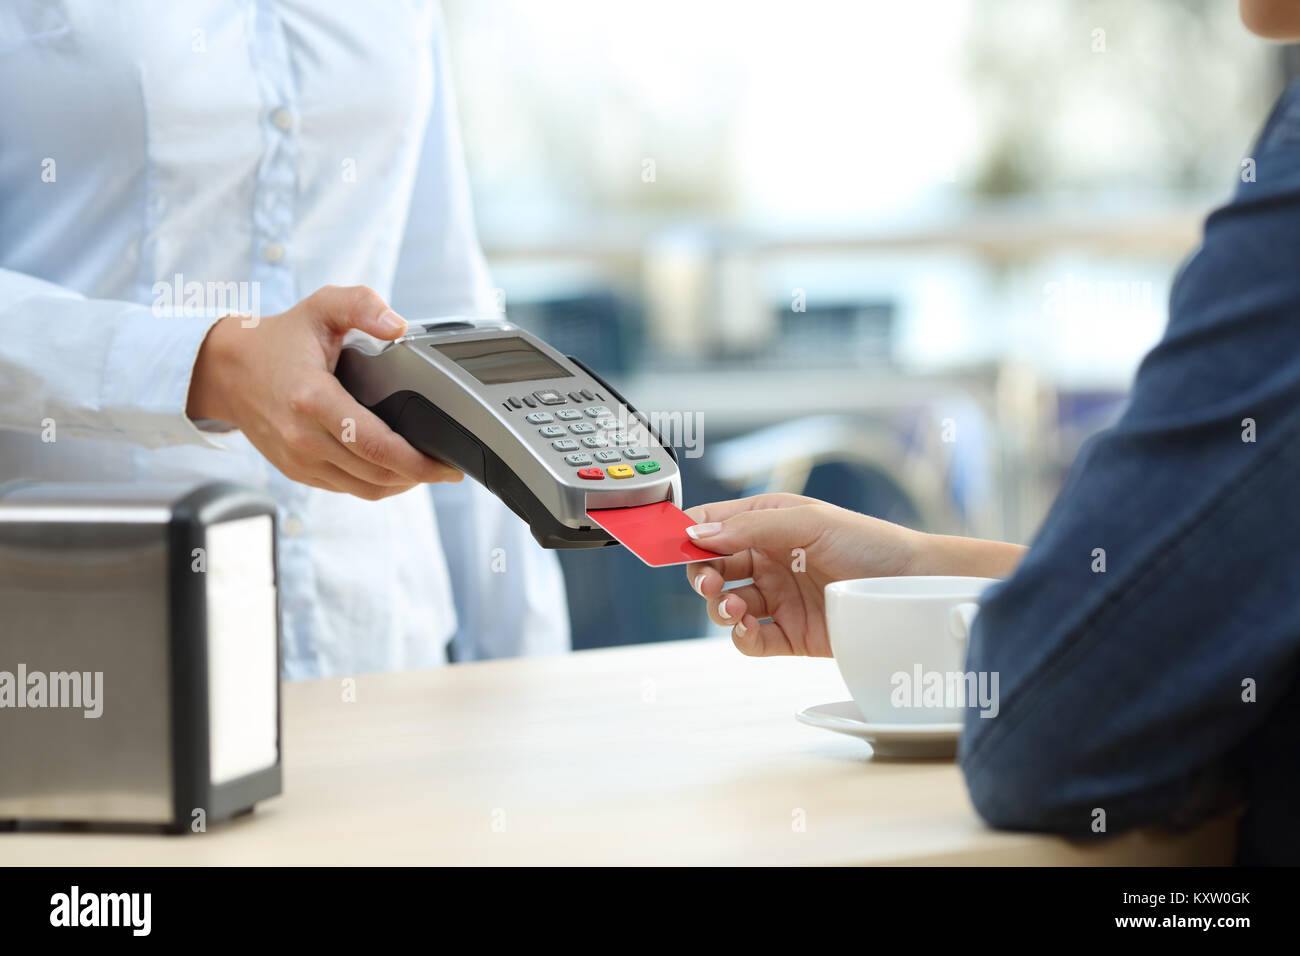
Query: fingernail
[
  {"x": 722, "y": 610},
  {"x": 696, "y": 584},
  {"x": 704, "y": 530},
  {"x": 740, "y": 628},
  {"x": 390, "y": 321}
]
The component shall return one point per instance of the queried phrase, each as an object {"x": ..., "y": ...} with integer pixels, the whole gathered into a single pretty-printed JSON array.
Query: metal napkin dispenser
[{"x": 139, "y": 654}]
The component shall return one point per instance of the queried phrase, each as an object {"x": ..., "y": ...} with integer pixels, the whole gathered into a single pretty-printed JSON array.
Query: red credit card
[{"x": 654, "y": 533}]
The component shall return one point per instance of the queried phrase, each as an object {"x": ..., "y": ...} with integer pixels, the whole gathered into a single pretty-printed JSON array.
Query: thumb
[
  {"x": 356, "y": 307},
  {"x": 766, "y": 530}
]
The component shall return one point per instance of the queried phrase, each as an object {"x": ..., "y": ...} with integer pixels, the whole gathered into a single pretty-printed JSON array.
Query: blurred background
[{"x": 902, "y": 257}]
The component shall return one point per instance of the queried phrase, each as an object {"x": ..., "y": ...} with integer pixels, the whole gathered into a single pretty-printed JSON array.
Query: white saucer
[{"x": 895, "y": 741}]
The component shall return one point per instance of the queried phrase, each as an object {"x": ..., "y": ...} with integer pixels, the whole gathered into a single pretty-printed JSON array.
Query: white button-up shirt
[{"x": 152, "y": 154}]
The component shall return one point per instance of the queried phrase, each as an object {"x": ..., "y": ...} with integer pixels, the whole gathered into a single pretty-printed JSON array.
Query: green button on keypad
[{"x": 647, "y": 467}]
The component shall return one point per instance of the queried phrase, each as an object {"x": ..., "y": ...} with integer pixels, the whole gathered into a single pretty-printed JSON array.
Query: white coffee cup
[{"x": 890, "y": 636}]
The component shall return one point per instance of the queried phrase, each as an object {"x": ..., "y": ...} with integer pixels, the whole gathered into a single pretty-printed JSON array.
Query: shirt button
[
  {"x": 273, "y": 252},
  {"x": 282, "y": 119},
  {"x": 292, "y": 526}
]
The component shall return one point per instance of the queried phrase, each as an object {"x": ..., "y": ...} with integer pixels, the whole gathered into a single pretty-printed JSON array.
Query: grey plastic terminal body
[{"x": 408, "y": 382}]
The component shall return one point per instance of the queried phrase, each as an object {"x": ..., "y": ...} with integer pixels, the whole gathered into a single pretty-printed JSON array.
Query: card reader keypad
[{"x": 598, "y": 430}]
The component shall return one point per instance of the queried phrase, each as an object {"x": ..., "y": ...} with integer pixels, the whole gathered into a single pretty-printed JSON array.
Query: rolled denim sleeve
[{"x": 1149, "y": 640}]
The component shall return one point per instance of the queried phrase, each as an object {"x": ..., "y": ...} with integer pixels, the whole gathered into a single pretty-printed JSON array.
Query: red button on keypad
[{"x": 592, "y": 473}]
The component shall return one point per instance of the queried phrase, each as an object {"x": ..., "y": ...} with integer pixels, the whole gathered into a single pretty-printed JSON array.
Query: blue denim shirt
[{"x": 1165, "y": 687}]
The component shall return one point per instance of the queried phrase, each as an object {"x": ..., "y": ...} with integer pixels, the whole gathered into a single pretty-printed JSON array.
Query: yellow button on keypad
[{"x": 620, "y": 471}]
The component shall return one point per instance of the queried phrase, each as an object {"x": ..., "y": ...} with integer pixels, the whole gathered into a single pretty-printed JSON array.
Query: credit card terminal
[{"x": 540, "y": 430}]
